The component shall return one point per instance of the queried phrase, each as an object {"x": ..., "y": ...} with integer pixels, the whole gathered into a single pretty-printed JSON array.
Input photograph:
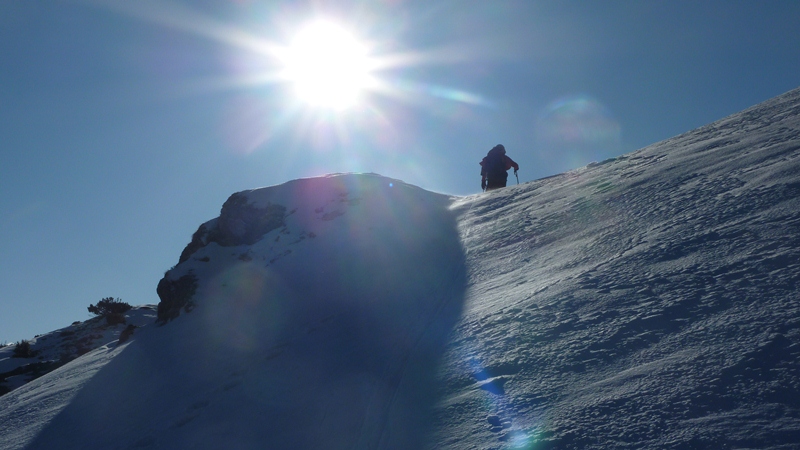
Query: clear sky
[{"x": 125, "y": 125}]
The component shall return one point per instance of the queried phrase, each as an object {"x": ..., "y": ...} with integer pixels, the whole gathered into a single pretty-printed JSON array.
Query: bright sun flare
[{"x": 327, "y": 65}]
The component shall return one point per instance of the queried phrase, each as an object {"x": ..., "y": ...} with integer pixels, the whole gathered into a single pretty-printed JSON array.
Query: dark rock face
[
  {"x": 198, "y": 241},
  {"x": 174, "y": 295},
  {"x": 239, "y": 223},
  {"x": 126, "y": 333},
  {"x": 243, "y": 224}
]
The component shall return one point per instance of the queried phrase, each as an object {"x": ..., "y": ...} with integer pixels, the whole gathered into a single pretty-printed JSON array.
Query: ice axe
[{"x": 515, "y": 174}]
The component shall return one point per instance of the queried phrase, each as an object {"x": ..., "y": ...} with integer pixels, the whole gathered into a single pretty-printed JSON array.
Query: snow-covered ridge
[
  {"x": 339, "y": 311},
  {"x": 648, "y": 301},
  {"x": 262, "y": 226},
  {"x": 51, "y": 350}
]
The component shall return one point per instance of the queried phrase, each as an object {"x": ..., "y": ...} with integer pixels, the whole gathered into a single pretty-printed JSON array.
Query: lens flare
[
  {"x": 235, "y": 314},
  {"x": 340, "y": 83},
  {"x": 579, "y": 129}
]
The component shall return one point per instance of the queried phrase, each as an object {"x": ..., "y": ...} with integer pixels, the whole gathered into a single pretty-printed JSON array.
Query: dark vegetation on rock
[
  {"x": 126, "y": 333},
  {"x": 34, "y": 370},
  {"x": 239, "y": 223},
  {"x": 50, "y": 352},
  {"x": 109, "y": 305},
  {"x": 175, "y": 295},
  {"x": 22, "y": 349},
  {"x": 113, "y": 310}
]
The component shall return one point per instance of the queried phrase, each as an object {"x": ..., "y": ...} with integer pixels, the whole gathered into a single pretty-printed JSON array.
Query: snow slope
[
  {"x": 649, "y": 301},
  {"x": 52, "y": 350},
  {"x": 325, "y": 333}
]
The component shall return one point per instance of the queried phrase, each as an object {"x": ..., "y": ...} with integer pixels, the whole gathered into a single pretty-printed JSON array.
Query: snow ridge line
[{"x": 469, "y": 225}]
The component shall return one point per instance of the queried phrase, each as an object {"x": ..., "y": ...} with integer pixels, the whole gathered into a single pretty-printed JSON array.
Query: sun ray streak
[
  {"x": 341, "y": 92},
  {"x": 178, "y": 17}
]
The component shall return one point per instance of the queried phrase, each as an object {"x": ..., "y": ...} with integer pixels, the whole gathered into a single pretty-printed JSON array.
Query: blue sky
[{"x": 125, "y": 127}]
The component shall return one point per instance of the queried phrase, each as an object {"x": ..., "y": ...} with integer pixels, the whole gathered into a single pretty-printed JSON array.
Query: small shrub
[
  {"x": 108, "y": 306},
  {"x": 23, "y": 350},
  {"x": 126, "y": 333},
  {"x": 115, "y": 318}
]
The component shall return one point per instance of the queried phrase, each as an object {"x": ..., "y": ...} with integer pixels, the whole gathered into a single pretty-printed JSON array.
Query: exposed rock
[
  {"x": 239, "y": 223},
  {"x": 126, "y": 333},
  {"x": 174, "y": 295},
  {"x": 243, "y": 224},
  {"x": 198, "y": 241}
]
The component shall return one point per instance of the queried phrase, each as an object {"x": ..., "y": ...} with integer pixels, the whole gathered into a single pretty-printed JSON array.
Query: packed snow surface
[{"x": 649, "y": 301}]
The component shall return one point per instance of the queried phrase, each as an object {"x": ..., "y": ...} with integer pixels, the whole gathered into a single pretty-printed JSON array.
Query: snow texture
[
  {"x": 52, "y": 350},
  {"x": 648, "y": 301}
]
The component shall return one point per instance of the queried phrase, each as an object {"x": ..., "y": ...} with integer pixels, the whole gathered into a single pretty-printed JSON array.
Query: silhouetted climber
[{"x": 494, "y": 168}]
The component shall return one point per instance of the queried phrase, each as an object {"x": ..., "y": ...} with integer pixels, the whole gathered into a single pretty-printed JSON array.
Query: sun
[{"x": 327, "y": 66}]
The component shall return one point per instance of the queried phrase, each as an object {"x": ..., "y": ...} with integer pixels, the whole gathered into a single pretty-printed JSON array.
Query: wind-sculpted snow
[{"x": 648, "y": 301}]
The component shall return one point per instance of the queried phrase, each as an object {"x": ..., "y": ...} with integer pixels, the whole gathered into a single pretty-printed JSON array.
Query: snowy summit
[{"x": 648, "y": 301}]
